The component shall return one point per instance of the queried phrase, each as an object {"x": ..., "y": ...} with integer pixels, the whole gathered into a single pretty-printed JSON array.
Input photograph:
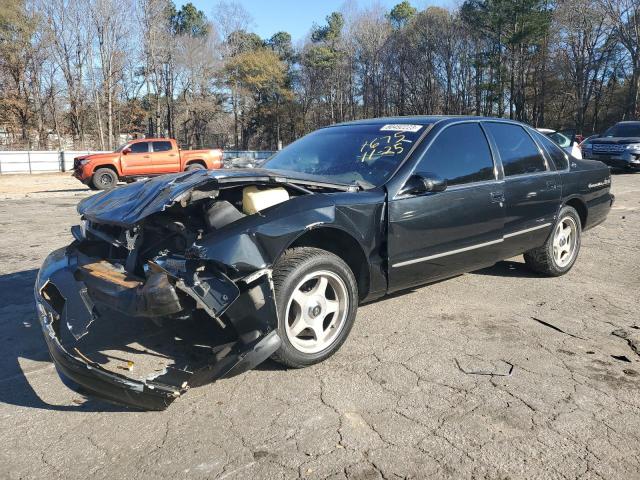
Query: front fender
[
  {"x": 247, "y": 248},
  {"x": 256, "y": 241}
]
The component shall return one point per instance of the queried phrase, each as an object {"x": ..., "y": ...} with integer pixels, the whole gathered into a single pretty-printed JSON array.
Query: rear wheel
[
  {"x": 104, "y": 179},
  {"x": 560, "y": 251},
  {"x": 195, "y": 166},
  {"x": 317, "y": 300}
]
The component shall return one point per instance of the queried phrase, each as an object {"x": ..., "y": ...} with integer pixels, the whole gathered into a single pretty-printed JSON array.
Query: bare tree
[
  {"x": 110, "y": 31},
  {"x": 625, "y": 16},
  {"x": 65, "y": 20},
  {"x": 584, "y": 47},
  {"x": 232, "y": 18},
  {"x": 369, "y": 34}
]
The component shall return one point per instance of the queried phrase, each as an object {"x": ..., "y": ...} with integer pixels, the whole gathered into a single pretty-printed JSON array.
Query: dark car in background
[
  {"x": 274, "y": 261},
  {"x": 618, "y": 147}
]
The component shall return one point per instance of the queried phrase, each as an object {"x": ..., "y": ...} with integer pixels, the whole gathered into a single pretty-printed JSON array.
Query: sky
[{"x": 297, "y": 16}]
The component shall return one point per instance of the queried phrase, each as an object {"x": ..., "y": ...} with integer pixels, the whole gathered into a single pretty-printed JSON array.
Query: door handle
[
  {"x": 497, "y": 197},
  {"x": 551, "y": 185},
  {"x": 172, "y": 154},
  {"x": 146, "y": 156}
]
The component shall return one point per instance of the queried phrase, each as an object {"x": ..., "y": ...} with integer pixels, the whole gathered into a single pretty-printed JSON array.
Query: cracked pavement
[{"x": 394, "y": 402}]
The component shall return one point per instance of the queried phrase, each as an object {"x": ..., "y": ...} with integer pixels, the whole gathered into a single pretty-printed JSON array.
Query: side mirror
[
  {"x": 126, "y": 151},
  {"x": 420, "y": 183}
]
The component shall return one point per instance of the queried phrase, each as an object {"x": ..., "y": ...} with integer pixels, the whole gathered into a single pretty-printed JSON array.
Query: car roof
[
  {"x": 418, "y": 120},
  {"x": 545, "y": 130},
  {"x": 629, "y": 122}
]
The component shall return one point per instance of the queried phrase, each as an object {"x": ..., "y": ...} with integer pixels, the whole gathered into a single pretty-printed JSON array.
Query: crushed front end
[
  {"x": 74, "y": 291},
  {"x": 150, "y": 276}
]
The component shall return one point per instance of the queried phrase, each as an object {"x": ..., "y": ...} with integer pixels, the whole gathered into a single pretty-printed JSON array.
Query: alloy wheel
[
  {"x": 564, "y": 241},
  {"x": 316, "y": 311}
]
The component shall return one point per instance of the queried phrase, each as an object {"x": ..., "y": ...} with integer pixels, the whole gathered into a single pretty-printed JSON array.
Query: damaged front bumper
[{"x": 71, "y": 290}]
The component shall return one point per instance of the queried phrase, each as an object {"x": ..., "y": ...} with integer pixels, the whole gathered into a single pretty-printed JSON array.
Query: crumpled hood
[
  {"x": 128, "y": 205},
  {"x": 125, "y": 206}
]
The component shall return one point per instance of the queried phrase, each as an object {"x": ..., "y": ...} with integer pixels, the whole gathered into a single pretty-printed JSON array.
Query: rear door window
[
  {"x": 140, "y": 147},
  {"x": 518, "y": 152},
  {"x": 161, "y": 146},
  {"x": 460, "y": 154}
]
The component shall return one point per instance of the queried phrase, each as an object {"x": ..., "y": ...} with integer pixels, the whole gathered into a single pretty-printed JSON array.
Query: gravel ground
[
  {"x": 45, "y": 185},
  {"x": 402, "y": 398}
]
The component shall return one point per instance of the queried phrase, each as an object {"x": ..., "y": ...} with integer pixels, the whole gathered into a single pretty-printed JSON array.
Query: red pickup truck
[{"x": 141, "y": 158}]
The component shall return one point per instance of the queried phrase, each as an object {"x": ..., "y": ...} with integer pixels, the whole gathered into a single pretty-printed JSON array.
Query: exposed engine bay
[
  {"x": 166, "y": 238},
  {"x": 159, "y": 264}
]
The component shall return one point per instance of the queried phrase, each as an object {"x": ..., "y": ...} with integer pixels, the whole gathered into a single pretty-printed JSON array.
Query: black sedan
[{"x": 275, "y": 261}]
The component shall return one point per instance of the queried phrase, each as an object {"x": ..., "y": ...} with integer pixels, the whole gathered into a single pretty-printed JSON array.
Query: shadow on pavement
[
  {"x": 21, "y": 337},
  {"x": 113, "y": 341},
  {"x": 507, "y": 268}
]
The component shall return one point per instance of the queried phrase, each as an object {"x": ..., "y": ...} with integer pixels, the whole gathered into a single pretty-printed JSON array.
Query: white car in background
[{"x": 563, "y": 141}]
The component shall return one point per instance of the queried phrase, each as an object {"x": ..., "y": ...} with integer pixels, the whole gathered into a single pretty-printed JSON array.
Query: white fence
[
  {"x": 38, "y": 161},
  {"x": 62, "y": 161}
]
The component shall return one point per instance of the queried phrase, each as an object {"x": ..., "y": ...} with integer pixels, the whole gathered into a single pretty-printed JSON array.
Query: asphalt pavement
[{"x": 494, "y": 374}]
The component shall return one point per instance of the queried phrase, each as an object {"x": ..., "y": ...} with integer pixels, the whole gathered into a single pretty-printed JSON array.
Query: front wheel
[
  {"x": 104, "y": 179},
  {"x": 317, "y": 300},
  {"x": 560, "y": 251}
]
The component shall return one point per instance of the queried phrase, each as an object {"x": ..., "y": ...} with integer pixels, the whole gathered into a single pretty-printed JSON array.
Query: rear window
[
  {"x": 517, "y": 149},
  {"x": 161, "y": 146}
]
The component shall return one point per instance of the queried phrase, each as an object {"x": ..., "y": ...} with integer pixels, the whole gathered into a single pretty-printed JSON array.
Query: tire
[
  {"x": 560, "y": 251},
  {"x": 104, "y": 179},
  {"x": 194, "y": 166},
  {"x": 313, "y": 332}
]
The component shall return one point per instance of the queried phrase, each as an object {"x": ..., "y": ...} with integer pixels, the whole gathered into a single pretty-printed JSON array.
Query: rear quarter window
[
  {"x": 560, "y": 139},
  {"x": 558, "y": 156}
]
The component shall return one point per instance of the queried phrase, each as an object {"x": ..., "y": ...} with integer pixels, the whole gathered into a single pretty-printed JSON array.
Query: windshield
[
  {"x": 120, "y": 148},
  {"x": 366, "y": 154},
  {"x": 624, "y": 130}
]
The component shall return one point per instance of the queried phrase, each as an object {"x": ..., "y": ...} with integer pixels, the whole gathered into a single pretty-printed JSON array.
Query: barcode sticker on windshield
[{"x": 401, "y": 127}]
